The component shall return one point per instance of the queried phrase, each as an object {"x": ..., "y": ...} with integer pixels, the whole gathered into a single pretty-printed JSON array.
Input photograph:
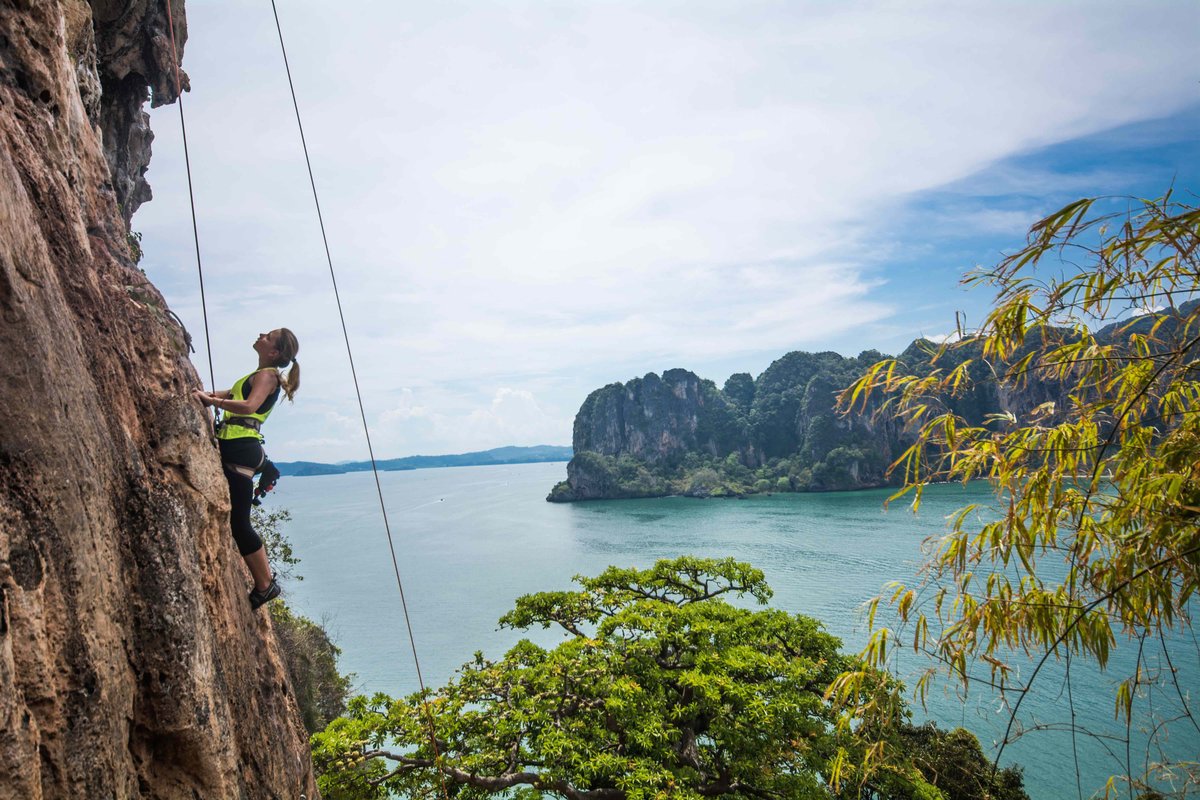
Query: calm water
[{"x": 470, "y": 540}]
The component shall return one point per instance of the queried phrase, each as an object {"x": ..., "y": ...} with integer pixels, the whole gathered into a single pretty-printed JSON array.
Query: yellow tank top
[{"x": 229, "y": 429}]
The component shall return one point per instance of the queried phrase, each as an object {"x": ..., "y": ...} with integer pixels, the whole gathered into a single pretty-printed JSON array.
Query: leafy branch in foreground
[
  {"x": 1098, "y": 536},
  {"x": 269, "y": 525},
  {"x": 662, "y": 689}
]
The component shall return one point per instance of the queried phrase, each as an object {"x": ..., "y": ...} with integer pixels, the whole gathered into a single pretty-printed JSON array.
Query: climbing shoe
[{"x": 268, "y": 594}]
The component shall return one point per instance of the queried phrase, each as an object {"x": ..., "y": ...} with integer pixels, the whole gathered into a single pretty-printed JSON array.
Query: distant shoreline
[{"x": 538, "y": 454}]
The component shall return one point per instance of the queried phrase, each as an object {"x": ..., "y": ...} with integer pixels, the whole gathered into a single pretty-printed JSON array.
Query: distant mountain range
[{"x": 500, "y": 455}]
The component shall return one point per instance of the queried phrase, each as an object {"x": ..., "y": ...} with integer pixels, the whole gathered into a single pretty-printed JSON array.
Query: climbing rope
[
  {"x": 191, "y": 197},
  {"x": 361, "y": 410},
  {"x": 345, "y": 336}
]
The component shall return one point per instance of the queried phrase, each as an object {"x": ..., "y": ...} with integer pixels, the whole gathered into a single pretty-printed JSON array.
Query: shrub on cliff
[
  {"x": 703, "y": 483},
  {"x": 311, "y": 661},
  {"x": 662, "y": 689},
  {"x": 309, "y": 655},
  {"x": 593, "y": 475},
  {"x": 739, "y": 390},
  {"x": 963, "y": 771},
  {"x": 561, "y": 493}
]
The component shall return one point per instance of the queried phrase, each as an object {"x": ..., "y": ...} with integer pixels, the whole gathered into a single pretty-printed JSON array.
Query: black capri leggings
[{"x": 245, "y": 452}]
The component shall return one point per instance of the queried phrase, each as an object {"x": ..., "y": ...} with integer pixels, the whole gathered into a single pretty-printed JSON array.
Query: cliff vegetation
[{"x": 309, "y": 654}]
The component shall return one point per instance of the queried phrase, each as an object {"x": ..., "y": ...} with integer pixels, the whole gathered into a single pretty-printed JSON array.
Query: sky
[{"x": 526, "y": 201}]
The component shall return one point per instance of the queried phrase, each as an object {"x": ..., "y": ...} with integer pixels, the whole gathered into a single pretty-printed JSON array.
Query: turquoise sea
[{"x": 471, "y": 539}]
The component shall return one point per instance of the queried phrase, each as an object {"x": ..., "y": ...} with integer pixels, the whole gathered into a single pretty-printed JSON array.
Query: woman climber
[{"x": 247, "y": 406}]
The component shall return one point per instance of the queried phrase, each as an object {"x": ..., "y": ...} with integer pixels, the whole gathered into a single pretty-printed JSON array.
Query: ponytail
[
  {"x": 291, "y": 380},
  {"x": 288, "y": 346}
]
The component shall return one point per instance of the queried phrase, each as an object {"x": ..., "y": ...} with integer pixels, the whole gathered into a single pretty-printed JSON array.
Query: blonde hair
[{"x": 288, "y": 346}]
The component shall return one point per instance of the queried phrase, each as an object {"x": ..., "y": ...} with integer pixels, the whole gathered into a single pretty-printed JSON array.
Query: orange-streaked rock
[{"x": 130, "y": 663}]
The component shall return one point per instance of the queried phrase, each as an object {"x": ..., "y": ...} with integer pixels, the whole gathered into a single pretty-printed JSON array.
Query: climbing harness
[
  {"x": 243, "y": 422},
  {"x": 241, "y": 469},
  {"x": 266, "y": 469},
  {"x": 244, "y": 470}
]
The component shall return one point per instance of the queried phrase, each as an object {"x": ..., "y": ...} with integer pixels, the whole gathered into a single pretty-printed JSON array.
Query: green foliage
[
  {"x": 269, "y": 526},
  {"x": 311, "y": 661},
  {"x": 739, "y": 390},
  {"x": 745, "y": 438},
  {"x": 720, "y": 425},
  {"x": 790, "y": 393},
  {"x": 954, "y": 763},
  {"x": 607, "y": 476},
  {"x": 1099, "y": 537},
  {"x": 309, "y": 655},
  {"x": 697, "y": 475},
  {"x": 703, "y": 483},
  {"x": 561, "y": 493},
  {"x": 134, "y": 240},
  {"x": 662, "y": 689}
]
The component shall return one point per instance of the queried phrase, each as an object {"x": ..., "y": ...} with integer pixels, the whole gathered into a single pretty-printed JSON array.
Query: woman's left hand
[{"x": 204, "y": 397}]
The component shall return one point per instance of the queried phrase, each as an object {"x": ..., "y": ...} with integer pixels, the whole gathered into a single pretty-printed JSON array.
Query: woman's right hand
[{"x": 204, "y": 397}]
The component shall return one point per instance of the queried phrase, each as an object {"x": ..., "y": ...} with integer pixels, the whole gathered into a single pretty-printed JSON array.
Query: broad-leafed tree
[{"x": 661, "y": 689}]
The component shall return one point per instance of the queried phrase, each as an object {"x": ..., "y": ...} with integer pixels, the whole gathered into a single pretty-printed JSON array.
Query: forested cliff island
[{"x": 679, "y": 434}]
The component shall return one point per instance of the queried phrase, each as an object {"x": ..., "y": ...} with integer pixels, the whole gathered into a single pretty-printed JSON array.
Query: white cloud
[
  {"x": 433, "y": 419},
  {"x": 584, "y": 192},
  {"x": 942, "y": 338},
  {"x": 1014, "y": 223},
  {"x": 341, "y": 421},
  {"x": 405, "y": 409},
  {"x": 514, "y": 416}
]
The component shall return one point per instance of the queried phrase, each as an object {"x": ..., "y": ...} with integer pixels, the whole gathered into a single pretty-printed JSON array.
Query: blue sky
[
  {"x": 940, "y": 233},
  {"x": 526, "y": 201}
]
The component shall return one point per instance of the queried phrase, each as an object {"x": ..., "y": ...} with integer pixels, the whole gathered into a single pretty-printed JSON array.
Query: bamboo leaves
[{"x": 1100, "y": 532}]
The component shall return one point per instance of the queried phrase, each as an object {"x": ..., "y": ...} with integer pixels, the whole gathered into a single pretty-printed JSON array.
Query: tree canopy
[
  {"x": 1098, "y": 536},
  {"x": 661, "y": 689}
]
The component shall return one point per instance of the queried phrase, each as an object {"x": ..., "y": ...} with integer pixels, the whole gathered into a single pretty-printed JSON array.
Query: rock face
[
  {"x": 778, "y": 432},
  {"x": 656, "y": 419},
  {"x": 131, "y": 665},
  {"x": 133, "y": 63},
  {"x": 679, "y": 434}
]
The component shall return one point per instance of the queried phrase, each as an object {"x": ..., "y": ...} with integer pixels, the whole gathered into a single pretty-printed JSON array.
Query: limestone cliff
[
  {"x": 679, "y": 434},
  {"x": 655, "y": 419},
  {"x": 131, "y": 665}
]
